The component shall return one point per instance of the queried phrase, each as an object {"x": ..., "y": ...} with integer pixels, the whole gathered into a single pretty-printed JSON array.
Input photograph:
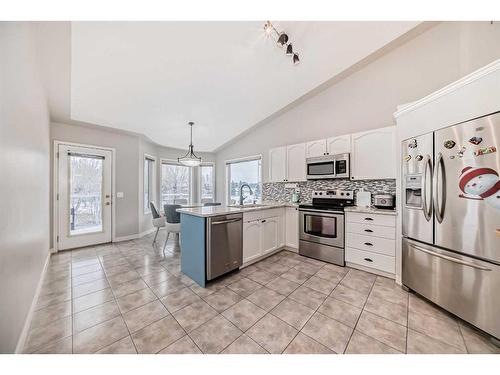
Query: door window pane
[
  {"x": 207, "y": 191},
  {"x": 148, "y": 184},
  {"x": 175, "y": 184},
  {"x": 86, "y": 176},
  {"x": 321, "y": 226},
  {"x": 244, "y": 172}
]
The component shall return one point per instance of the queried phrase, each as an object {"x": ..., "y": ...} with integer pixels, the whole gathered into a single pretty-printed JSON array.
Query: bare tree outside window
[
  {"x": 175, "y": 184},
  {"x": 207, "y": 191},
  {"x": 244, "y": 172}
]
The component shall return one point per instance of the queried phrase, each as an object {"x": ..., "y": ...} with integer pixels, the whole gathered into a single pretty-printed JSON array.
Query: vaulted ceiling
[{"x": 154, "y": 77}]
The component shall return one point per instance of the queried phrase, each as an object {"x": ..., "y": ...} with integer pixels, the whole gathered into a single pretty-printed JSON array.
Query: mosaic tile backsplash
[{"x": 276, "y": 191}]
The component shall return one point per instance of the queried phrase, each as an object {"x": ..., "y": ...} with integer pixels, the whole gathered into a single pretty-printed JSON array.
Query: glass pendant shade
[{"x": 190, "y": 159}]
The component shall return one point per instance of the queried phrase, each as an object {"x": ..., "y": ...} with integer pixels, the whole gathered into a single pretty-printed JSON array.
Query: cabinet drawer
[
  {"x": 384, "y": 220},
  {"x": 262, "y": 214},
  {"x": 370, "y": 243},
  {"x": 371, "y": 230},
  {"x": 368, "y": 259}
]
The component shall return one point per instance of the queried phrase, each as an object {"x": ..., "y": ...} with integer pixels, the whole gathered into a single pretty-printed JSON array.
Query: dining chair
[
  {"x": 158, "y": 220},
  {"x": 173, "y": 221}
]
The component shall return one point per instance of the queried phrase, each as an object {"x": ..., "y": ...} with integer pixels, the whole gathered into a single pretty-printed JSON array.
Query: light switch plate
[{"x": 119, "y": 194}]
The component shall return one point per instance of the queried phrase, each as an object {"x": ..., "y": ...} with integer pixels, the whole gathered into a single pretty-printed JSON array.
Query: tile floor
[{"x": 129, "y": 298}]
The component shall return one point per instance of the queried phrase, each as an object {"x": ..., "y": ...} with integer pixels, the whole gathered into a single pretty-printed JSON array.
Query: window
[
  {"x": 244, "y": 171},
  {"x": 207, "y": 183},
  {"x": 175, "y": 183},
  {"x": 149, "y": 183}
]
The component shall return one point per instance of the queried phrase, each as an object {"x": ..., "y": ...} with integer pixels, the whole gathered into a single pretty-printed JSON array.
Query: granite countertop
[
  {"x": 371, "y": 210},
  {"x": 224, "y": 210}
]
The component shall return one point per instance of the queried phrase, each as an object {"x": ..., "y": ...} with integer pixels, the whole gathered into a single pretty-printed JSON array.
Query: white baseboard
[
  {"x": 27, "y": 322},
  {"x": 134, "y": 236},
  {"x": 370, "y": 270}
]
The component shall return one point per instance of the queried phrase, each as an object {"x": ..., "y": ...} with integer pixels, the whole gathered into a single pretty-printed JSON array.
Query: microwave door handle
[
  {"x": 427, "y": 168},
  {"x": 439, "y": 204}
]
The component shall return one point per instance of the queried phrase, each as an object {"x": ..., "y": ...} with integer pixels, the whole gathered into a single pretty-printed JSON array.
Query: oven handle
[
  {"x": 323, "y": 211},
  {"x": 451, "y": 259}
]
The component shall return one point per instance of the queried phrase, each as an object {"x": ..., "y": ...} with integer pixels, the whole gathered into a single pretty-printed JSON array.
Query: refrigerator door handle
[
  {"x": 427, "y": 167},
  {"x": 439, "y": 205},
  {"x": 451, "y": 259}
]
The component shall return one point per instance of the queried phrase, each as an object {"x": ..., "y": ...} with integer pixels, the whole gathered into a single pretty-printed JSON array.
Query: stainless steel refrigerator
[{"x": 451, "y": 219}]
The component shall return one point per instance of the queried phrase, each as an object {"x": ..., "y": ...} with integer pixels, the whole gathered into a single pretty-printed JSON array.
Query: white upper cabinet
[
  {"x": 373, "y": 154},
  {"x": 277, "y": 164},
  {"x": 316, "y": 148},
  {"x": 338, "y": 145},
  {"x": 296, "y": 162}
]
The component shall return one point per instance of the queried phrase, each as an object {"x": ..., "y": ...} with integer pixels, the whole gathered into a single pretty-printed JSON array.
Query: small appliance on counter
[
  {"x": 296, "y": 196},
  {"x": 363, "y": 198},
  {"x": 386, "y": 201}
]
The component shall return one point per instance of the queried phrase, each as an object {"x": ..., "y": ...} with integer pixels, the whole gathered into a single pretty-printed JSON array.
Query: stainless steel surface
[
  {"x": 470, "y": 218},
  {"x": 224, "y": 244},
  {"x": 383, "y": 200},
  {"x": 417, "y": 159},
  {"x": 439, "y": 184},
  {"x": 322, "y": 227},
  {"x": 241, "y": 192},
  {"x": 465, "y": 286},
  {"x": 326, "y": 253},
  {"x": 328, "y": 166}
]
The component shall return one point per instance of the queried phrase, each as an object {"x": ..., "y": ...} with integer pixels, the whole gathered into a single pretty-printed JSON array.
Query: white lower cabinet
[
  {"x": 370, "y": 241},
  {"x": 292, "y": 227},
  {"x": 263, "y": 233}
]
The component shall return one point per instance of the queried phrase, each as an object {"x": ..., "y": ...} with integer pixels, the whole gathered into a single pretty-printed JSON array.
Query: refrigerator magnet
[
  {"x": 419, "y": 157},
  {"x": 476, "y": 140},
  {"x": 449, "y": 144},
  {"x": 485, "y": 150},
  {"x": 407, "y": 157}
]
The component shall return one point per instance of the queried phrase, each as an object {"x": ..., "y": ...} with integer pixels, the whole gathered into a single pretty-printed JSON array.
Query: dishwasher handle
[{"x": 226, "y": 221}]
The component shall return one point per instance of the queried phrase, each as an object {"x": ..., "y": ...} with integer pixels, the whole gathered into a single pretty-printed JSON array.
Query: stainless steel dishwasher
[{"x": 224, "y": 244}]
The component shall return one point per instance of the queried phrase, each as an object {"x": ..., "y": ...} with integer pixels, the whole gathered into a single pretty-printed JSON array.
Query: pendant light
[{"x": 190, "y": 159}]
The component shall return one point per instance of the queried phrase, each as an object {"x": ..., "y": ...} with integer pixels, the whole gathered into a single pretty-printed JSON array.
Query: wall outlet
[{"x": 120, "y": 194}]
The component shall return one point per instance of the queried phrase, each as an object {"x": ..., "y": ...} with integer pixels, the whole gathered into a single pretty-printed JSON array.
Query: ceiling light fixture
[
  {"x": 190, "y": 159},
  {"x": 282, "y": 40}
]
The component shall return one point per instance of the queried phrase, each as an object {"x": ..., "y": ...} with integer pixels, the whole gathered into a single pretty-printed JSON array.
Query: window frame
[
  {"x": 206, "y": 164},
  {"x": 227, "y": 163},
  {"x": 191, "y": 179},
  {"x": 152, "y": 189}
]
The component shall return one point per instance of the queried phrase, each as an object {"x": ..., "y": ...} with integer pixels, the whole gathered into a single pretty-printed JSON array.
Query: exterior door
[
  {"x": 84, "y": 196},
  {"x": 467, "y": 188}
]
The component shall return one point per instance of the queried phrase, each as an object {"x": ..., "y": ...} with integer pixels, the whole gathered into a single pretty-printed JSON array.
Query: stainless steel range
[{"x": 321, "y": 225}]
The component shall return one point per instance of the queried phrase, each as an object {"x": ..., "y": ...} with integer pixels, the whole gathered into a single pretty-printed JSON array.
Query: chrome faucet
[{"x": 241, "y": 192}]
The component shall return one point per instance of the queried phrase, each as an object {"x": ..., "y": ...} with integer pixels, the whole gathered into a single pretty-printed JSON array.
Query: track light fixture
[{"x": 282, "y": 40}]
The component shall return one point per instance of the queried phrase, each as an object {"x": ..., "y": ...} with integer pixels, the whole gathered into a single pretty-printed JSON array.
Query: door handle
[
  {"x": 263, "y": 221},
  {"x": 427, "y": 210},
  {"x": 226, "y": 221},
  {"x": 451, "y": 259},
  {"x": 439, "y": 207},
  {"x": 107, "y": 203},
  {"x": 368, "y": 259}
]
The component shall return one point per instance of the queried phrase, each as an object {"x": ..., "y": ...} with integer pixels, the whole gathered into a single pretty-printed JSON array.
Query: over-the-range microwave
[{"x": 328, "y": 166}]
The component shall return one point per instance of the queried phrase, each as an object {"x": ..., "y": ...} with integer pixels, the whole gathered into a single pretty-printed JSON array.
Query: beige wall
[
  {"x": 367, "y": 98},
  {"x": 24, "y": 186}
]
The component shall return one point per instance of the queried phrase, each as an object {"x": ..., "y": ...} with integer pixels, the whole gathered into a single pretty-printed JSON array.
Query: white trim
[
  {"x": 55, "y": 189},
  {"x": 191, "y": 179},
  {"x": 27, "y": 322},
  {"x": 232, "y": 161},
  {"x": 134, "y": 236},
  {"x": 371, "y": 270},
  {"x": 474, "y": 76},
  {"x": 206, "y": 164},
  {"x": 154, "y": 183}
]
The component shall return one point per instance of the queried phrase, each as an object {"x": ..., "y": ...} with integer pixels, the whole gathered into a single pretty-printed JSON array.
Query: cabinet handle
[
  {"x": 368, "y": 260},
  {"x": 368, "y": 244},
  {"x": 368, "y": 230},
  {"x": 368, "y": 218},
  {"x": 263, "y": 221}
]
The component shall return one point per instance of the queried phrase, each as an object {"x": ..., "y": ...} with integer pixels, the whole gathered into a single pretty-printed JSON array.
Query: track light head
[
  {"x": 268, "y": 28},
  {"x": 289, "y": 49},
  {"x": 296, "y": 58},
  {"x": 282, "y": 39}
]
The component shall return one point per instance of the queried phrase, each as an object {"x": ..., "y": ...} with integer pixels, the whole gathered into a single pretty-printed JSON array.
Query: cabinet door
[
  {"x": 292, "y": 227},
  {"x": 373, "y": 154},
  {"x": 251, "y": 241},
  {"x": 316, "y": 148},
  {"x": 338, "y": 145},
  {"x": 277, "y": 164},
  {"x": 270, "y": 234},
  {"x": 296, "y": 162}
]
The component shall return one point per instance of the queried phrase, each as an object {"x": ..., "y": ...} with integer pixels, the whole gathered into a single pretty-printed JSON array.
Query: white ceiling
[{"x": 154, "y": 77}]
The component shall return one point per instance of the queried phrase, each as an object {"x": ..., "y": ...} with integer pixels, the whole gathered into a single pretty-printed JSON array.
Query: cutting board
[{"x": 363, "y": 199}]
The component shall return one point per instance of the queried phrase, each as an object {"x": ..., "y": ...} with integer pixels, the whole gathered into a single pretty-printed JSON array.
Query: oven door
[
  {"x": 322, "y": 227},
  {"x": 321, "y": 168}
]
